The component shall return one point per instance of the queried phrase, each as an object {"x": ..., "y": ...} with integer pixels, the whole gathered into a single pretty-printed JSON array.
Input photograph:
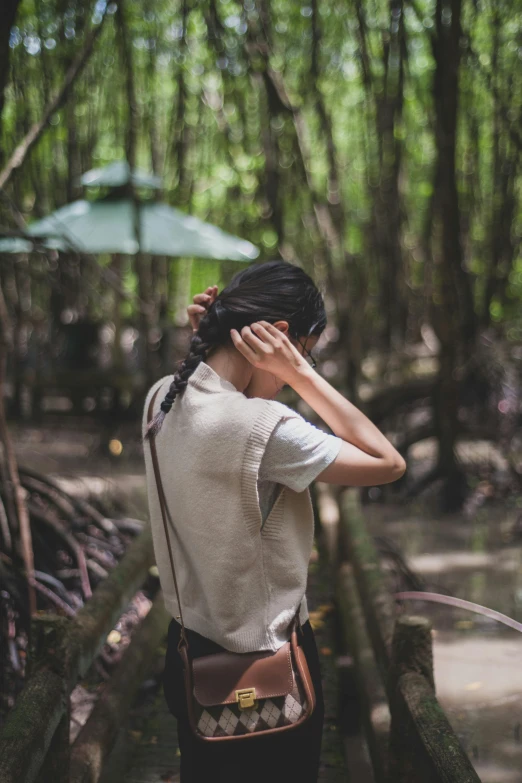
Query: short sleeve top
[{"x": 295, "y": 454}]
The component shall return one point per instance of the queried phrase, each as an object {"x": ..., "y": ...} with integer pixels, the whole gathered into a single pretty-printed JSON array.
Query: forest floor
[{"x": 475, "y": 555}]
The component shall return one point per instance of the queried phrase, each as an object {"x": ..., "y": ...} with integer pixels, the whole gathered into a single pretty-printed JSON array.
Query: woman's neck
[{"x": 232, "y": 368}]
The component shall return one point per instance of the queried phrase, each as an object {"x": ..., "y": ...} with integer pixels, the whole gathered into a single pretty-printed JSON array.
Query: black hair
[{"x": 270, "y": 291}]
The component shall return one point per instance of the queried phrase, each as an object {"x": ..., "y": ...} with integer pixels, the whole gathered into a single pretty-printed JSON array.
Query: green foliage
[{"x": 226, "y": 146}]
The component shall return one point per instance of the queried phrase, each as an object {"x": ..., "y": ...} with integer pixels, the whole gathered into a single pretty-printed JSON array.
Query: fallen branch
[
  {"x": 102, "y": 543},
  {"x": 52, "y": 597},
  {"x": 71, "y": 542},
  {"x": 82, "y": 506},
  {"x": 465, "y": 432},
  {"x": 102, "y": 557},
  {"x": 4, "y": 527},
  {"x": 128, "y": 525},
  {"x": 96, "y": 569},
  {"x": 386, "y": 401},
  {"x": 61, "y": 501},
  {"x": 68, "y": 573},
  {"x": 53, "y": 582}
]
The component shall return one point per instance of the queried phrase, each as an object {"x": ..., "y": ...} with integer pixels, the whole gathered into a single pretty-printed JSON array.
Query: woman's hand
[
  {"x": 201, "y": 304},
  {"x": 269, "y": 349}
]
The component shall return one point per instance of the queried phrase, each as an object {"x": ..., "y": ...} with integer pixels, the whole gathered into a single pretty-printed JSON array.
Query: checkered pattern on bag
[{"x": 228, "y": 720}]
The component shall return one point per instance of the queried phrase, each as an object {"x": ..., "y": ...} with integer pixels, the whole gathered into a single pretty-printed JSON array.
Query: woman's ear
[{"x": 283, "y": 327}]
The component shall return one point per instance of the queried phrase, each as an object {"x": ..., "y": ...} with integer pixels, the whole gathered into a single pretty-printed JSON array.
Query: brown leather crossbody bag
[{"x": 240, "y": 695}]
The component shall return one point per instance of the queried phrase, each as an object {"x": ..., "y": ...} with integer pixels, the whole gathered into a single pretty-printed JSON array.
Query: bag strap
[
  {"x": 164, "y": 513},
  {"x": 296, "y": 622}
]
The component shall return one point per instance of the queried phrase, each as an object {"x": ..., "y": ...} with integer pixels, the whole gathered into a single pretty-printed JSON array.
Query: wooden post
[
  {"x": 411, "y": 652},
  {"x": 428, "y": 739},
  {"x": 412, "y": 649}
]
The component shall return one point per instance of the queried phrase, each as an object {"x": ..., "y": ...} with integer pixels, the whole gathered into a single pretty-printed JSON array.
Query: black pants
[{"x": 288, "y": 757}]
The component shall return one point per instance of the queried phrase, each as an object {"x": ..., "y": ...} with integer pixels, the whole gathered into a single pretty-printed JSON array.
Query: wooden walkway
[{"x": 147, "y": 750}]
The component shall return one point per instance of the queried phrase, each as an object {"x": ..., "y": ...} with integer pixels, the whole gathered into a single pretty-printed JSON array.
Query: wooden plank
[
  {"x": 373, "y": 697},
  {"x": 99, "y": 734},
  {"x": 156, "y": 755},
  {"x": 96, "y": 619},
  {"x": 377, "y": 603}
]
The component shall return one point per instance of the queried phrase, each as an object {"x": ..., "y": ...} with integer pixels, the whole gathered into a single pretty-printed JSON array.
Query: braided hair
[{"x": 271, "y": 291}]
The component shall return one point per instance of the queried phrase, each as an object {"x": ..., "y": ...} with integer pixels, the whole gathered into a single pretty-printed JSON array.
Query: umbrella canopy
[
  {"x": 107, "y": 226},
  {"x": 15, "y": 245},
  {"x": 22, "y": 245},
  {"x": 117, "y": 174}
]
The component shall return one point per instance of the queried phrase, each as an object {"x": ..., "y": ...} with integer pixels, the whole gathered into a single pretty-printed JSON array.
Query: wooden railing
[
  {"x": 409, "y": 737},
  {"x": 34, "y": 742}
]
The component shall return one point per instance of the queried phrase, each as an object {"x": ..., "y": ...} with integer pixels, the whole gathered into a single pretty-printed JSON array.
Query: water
[{"x": 477, "y": 661}]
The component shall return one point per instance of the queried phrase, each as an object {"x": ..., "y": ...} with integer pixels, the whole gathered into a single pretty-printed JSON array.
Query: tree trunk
[
  {"x": 23, "y": 528},
  {"x": 22, "y": 150},
  {"x": 452, "y": 311},
  {"x": 9, "y": 10},
  {"x": 387, "y": 207}
]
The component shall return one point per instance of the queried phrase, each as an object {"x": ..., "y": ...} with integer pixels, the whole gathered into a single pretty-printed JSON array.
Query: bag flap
[{"x": 217, "y": 677}]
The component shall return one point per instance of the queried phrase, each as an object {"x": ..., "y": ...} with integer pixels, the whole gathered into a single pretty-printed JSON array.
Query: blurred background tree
[{"x": 377, "y": 144}]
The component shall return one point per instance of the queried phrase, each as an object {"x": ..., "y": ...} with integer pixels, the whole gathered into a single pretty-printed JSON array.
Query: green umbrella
[
  {"x": 23, "y": 245},
  {"x": 118, "y": 174},
  {"x": 123, "y": 223},
  {"x": 15, "y": 245},
  {"x": 107, "y": 226}
]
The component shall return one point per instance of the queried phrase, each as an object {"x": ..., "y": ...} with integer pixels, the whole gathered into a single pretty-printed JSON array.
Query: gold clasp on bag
[{"x": 246, "y": 698}]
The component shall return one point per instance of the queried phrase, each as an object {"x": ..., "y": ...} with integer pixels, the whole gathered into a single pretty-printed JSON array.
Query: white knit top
[{"x": 241, "y": 578}]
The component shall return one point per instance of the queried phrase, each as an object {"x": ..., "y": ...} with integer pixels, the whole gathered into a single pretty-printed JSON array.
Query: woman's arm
[{"x": 366, "y": 456}]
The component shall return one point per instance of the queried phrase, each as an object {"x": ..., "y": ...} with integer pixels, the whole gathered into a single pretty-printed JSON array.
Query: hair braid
[{"x": 197, "y": 353}]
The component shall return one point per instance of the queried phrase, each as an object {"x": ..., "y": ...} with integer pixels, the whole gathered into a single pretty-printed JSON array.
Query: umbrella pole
[
  {"x": 117, "y": 354},
  {"x": 146, "y": 312},
  {"x": 144, "y": 281}
]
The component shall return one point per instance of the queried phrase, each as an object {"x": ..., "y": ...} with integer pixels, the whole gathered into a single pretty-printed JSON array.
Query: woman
[{"x": 236, "y": 464}]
